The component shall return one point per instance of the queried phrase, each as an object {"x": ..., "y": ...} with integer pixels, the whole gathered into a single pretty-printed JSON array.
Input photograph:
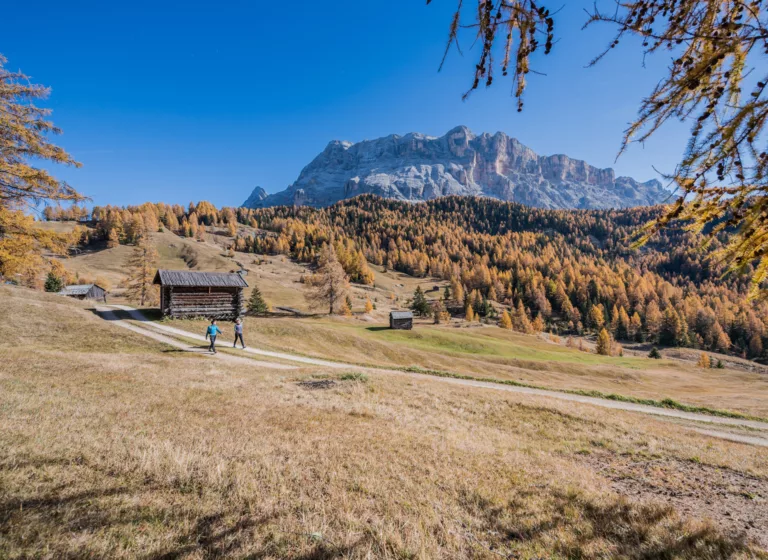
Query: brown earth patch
[{"x": 736, "y": 502}]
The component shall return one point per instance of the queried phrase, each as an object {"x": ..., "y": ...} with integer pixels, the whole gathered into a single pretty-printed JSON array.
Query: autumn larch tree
[
  {"x": 330, "y": 284},
  {"x": 142, "y": 267},
  {"x": 704, "y": 361},
  {"x": 603, "y": 345},
  {"x": 717, "y": 49},
  {"x": 24, "y": 131},
  {"x": 506, "y": 321},
  {"x": 469, "y": 315}
]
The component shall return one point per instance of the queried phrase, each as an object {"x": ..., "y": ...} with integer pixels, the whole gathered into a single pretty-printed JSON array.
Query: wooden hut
[
  {"x": 85, "y": 291},
  {"x": 215, "y": 295},
  {"x": 401, "y": 320}
]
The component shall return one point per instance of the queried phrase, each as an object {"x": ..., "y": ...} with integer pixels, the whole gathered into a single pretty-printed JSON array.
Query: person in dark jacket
[{"x": 212, "y": 332}]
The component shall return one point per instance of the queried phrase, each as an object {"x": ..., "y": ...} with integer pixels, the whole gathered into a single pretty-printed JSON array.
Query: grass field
[
  {"x": 490, "y": 352},
  {"x": 474, "y": 350},
  {"x": 115, "y": 446}
]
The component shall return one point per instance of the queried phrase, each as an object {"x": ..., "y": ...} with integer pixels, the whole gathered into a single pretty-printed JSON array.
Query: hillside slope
[{"x": 115, "y": 446}]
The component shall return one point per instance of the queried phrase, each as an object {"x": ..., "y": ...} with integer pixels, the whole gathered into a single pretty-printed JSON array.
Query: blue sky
[{"x": 180, "y": 102}]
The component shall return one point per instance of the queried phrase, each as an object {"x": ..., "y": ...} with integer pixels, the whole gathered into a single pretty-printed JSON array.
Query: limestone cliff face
[{"x": 416, "y": 167}]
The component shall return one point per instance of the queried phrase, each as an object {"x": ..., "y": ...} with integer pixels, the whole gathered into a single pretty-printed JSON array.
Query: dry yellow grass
[
  {"x": 457, "y": 348},
  {"x": 128, "y": 449},
  {"x": 491, "y": 352}
]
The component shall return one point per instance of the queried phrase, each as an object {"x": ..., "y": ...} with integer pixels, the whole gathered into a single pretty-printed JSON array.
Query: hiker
[
  {"x": 212, "y": 332},
  {"x": 238, "y": 333}
]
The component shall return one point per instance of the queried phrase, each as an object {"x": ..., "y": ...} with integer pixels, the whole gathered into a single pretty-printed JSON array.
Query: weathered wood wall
[
  {"x": 402, "y": 324},
  {"x": 214, "y": 303}
]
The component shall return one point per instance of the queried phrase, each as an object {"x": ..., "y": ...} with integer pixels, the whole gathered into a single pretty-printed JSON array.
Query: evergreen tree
[
  {"x": 256, "y": 303},
  {"x": 654, "y": 353},
  {"x": 420, "y": 305},
  {"x": 53, "y": 283},
  {"x": 673, "y": 331}
]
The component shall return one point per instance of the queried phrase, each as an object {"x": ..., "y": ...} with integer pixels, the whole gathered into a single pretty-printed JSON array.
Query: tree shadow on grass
[
  {"x": 104, "y": 512},
  {"x": 632, "y": 530}
]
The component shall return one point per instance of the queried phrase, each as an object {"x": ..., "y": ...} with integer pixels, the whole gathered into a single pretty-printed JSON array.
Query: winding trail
[
  {"x": 110, "y": 315},
  {"x": 759, "y": 438}
]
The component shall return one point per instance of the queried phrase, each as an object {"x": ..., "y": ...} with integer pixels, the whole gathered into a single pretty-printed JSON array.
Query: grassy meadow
[
  {"x": 491, "y": 352},
  {"x": 117, "y": 446}
]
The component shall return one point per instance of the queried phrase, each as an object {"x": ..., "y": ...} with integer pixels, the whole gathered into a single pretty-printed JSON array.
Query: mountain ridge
[{"x": 416, "y": 167}]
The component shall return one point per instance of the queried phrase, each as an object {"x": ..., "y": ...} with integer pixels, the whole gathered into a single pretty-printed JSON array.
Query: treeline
[
  {"x": 570, "y": 271},
  {"x": 126, "y": 225},
  {"x": 563, "y": 271}
]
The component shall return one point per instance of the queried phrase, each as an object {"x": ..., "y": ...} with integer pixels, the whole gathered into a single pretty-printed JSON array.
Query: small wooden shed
[
  {"x": 401, "y": 320},
  {"x": 215, "y": 295},
  {"x": 85, "y": 291}
]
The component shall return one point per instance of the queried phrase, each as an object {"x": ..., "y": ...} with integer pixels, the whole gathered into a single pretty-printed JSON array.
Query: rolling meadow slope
[{"x": 117, "y": 446}]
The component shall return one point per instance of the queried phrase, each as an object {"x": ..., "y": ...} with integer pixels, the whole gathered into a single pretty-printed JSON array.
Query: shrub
[
  {"x": 654, "y": 353},
  {"x": 354, "y": 376}
]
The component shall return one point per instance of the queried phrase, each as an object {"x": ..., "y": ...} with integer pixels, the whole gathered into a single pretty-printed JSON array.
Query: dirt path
[
  {"x": 110, "y": 315},
  {"x": 759, "y": 438},
  {"x": 137, "y": 315}
]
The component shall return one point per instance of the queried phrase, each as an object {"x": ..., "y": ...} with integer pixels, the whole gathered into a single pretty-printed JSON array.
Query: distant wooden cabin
[
  {"x": 401, "y": 320},
  {"x": 85, "y": 291},
  {"x": 215, "y": 295}
]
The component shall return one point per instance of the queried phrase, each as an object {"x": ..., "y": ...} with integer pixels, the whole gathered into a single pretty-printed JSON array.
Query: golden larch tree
[
  {"x": 24, "y": 131},
  {"x": 603, "y": 346},
  {"x": 142, "y": 267},
  {"x": 330, "y": 284},
  {"x": 716, "y": 82}
]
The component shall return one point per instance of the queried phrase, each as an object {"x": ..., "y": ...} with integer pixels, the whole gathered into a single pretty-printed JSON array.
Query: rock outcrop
[{"x": 416, "y": 167}]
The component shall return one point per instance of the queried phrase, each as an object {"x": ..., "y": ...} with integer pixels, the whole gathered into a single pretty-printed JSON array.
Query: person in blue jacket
[{"x": 212, "y": 332}]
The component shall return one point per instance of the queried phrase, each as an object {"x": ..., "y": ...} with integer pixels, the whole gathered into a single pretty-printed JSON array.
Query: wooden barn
[
  {"x": 401, "y": 320},
  {"x": 85, "y": 291},
  {"x": 215, "y": 295}
]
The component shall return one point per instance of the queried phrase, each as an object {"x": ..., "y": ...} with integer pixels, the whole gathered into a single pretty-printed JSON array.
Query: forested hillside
[
  {"x": 569, "y": 272},
  {"x": 574, "y": 269}
]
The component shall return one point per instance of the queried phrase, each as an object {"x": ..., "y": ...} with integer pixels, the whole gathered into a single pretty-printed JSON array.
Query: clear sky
[{"x": 175, "y": 102}]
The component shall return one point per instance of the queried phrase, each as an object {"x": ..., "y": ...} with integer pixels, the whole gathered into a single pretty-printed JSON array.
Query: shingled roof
[
  {"x": 207, "y": 279},
  {"x": 76, "y": 290},
  {"x": 401, "y": 314}
]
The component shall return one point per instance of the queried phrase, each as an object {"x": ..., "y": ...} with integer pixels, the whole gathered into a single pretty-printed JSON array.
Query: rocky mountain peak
[{"x": 418, "y": 167}]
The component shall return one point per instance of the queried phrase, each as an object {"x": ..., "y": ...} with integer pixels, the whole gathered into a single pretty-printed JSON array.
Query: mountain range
[{"x": 416, "y": 167}]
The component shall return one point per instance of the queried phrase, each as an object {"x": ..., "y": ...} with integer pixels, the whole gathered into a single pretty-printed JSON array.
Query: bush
[
  {"x": 354, "y": 376},
  {"x": 654, "y": 353}
]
